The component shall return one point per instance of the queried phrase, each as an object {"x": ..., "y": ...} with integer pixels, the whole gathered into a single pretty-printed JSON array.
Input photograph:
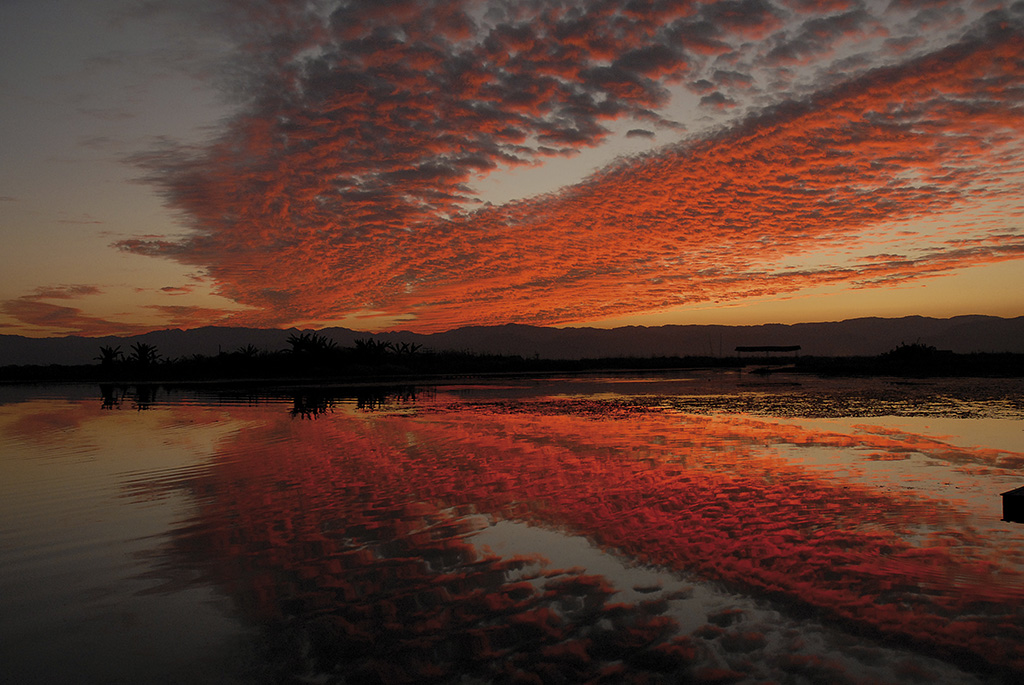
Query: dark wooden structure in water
[
  {"x": 767, "y": 351},
  {"x": 1013, "y": 505}
]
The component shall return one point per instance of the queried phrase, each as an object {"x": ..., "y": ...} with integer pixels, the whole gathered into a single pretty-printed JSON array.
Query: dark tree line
[
  {"x": 308, "y": 354},
  {"x": 314, "y": 356}
]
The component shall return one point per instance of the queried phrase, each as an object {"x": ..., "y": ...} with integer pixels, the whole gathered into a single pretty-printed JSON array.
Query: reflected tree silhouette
[
  {"x": 111, "y": 398},
  {"x": 142, "y": 395},
  {"x": 311, "y": 405},
  {"x": 379, "y": 399}
]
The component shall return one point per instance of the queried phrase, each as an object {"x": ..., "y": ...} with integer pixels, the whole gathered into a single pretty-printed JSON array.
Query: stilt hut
[{"x": 767, "y": 351}]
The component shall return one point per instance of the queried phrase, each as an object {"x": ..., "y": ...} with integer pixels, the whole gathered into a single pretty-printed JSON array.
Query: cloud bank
[{"x": 345, "y": 183}]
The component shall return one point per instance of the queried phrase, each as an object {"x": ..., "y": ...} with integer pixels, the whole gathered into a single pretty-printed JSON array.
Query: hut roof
[{"x": 1016, "y": 492}]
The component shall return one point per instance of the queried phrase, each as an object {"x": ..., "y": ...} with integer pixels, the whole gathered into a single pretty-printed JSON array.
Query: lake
[{"x": 711, "y": 527}]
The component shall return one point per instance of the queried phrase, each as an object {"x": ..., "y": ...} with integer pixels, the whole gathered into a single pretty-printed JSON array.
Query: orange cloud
[
  {"x": 64, "y": 320},
  {"x": 343, "y": 188},
  {"x": 63, "y": 292}
]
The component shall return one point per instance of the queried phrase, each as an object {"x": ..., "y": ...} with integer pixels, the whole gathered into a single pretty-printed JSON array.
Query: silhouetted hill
[{"x": 866, "y": 336}]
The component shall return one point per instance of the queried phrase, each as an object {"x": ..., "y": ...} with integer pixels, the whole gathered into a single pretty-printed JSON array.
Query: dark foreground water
[{"x": 699, "y": 528}]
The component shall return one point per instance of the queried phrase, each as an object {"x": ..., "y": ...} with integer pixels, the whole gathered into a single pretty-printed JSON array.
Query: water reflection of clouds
[
  {"x": 711, "y": 495},
  {"x": 368, "y": 533},
  {"x": 737, "y": 633}
]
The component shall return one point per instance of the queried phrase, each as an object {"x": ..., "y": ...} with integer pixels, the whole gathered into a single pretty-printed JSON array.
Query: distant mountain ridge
[{"x": 864, "y": 336}]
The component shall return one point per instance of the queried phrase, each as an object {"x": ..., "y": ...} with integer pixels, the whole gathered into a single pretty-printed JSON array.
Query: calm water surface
[{"x": 687, "y": 528}]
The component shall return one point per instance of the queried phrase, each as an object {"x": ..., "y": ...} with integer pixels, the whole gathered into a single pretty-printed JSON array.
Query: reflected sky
[
  {"x": 76, "y": 604},
  {"x": 524, "y": 531}
]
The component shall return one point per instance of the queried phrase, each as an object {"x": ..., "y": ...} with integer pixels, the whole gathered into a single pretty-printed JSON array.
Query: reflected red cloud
[
  {"x": 713, "y": 500},
  {"x": 320, "y": 500},
  {"x": 342, "y": 188},
  {"x": 49, "y": 426},
  {"x": 384, "y": 586}
]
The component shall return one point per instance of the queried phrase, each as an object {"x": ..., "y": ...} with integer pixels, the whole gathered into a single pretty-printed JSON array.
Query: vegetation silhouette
[
  {"x": 368, "y": 348},
  {"x": 109, "y": 355},
  {"x": 316, "y": 357},
  {"x": 918, "y": 360},
  {"x": 144, "y": 355},
  {"x": 249, "y": 352},
  {"x": 312, "y": 345}
]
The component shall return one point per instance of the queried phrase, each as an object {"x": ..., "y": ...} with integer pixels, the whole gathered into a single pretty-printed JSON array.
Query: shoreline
[{"x": 178, "y": 373}]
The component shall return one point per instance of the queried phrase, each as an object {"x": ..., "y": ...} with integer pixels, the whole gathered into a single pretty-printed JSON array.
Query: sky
[{"x": 428, "y": 165}]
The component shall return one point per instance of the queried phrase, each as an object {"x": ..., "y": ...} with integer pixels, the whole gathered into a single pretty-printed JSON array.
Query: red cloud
[{"x": 342, "y": 189}]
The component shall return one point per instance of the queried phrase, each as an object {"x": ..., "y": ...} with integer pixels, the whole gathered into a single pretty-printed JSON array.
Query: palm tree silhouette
[
  {"x": 144, "y": 354},
  {"x": 250, "y": 351},
  {"x": 373, "y": 348},
  {"x": 406, "y": 349},
  {"x": 311, "y": 344},
  {"x": 109, "y": 355}
]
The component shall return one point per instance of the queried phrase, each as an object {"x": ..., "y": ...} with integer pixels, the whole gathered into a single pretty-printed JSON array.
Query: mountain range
[{"x": 853, "y": 337}]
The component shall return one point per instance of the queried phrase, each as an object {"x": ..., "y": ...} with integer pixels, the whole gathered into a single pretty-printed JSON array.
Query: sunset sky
[{"x": 428, "y": 165}]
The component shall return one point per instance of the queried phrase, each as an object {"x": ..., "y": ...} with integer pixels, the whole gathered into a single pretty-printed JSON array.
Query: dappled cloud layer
[
  {"x": 817, "y": 135},
  {"x": 357, "y": 528}
]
